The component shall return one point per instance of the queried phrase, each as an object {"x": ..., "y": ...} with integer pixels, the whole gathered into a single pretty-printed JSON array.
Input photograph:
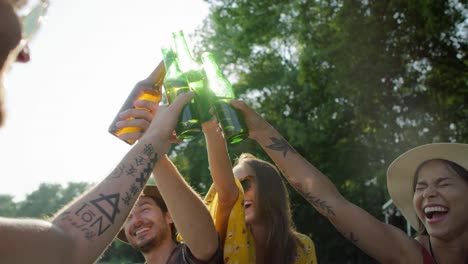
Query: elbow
[{"x": 209, "y": 249}]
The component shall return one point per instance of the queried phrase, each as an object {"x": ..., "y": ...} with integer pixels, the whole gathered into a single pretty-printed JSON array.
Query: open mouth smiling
[
  {"x": 140, "y": 230},
  {"x": 435, "y": 212}
]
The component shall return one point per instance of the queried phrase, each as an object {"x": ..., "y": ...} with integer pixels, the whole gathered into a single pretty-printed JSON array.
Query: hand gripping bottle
[
  {"x": 175, "y": 82},
  {"x": 147, "y": 89},
  {"x": 231, "y": 120}
]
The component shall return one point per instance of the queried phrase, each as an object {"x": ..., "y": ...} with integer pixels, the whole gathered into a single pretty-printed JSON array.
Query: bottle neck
[
  {"x": 185, "y": 59},
  {"x": 157, "y": 76},
  {"x": 217, "y": 82}
]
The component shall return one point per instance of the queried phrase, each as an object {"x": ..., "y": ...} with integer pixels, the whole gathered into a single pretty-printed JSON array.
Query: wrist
[
  {"x": 160, "y": 141},
  {"x": 261, "y": 131}
]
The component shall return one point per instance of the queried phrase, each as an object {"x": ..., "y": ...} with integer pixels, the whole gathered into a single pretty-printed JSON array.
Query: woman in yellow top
[{"x": 250, "y": 206}]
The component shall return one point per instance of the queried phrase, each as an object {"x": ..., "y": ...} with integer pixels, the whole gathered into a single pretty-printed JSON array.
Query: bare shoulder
[{"x": 423, "y": 241}]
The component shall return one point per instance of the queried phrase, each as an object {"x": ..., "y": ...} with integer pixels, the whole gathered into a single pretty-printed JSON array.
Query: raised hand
[
  {"x": 140, "y": 117},
  {"x": 145, "y": 113},
  {"x": 254, "y": 121}
]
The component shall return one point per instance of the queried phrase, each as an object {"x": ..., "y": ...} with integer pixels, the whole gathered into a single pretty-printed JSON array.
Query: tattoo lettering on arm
[
  {"x": 93, "y": 218},
  {"x": 118, "y": 171},
  {"x": 351, "y": 237},
  {"x": 132, "y": 171},
  {"x": 132, "y": 192},
  {"x": 315, "y": 201},
  {"x": 89, "y": 221},
  {"x": 279, "y": 144}
]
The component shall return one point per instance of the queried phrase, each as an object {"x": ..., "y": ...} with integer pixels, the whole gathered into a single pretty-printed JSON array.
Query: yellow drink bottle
[{"x": 147, "y": 89}]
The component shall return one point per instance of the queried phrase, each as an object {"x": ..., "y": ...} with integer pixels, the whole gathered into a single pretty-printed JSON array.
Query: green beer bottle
[
  {"x": 194, "y": 73},
  {"x": 175, "y": 82},
  {"x": 231, "y": 120}
]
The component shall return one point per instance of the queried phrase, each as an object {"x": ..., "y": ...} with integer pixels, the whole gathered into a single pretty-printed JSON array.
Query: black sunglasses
[{"x": 246, "y": 183}]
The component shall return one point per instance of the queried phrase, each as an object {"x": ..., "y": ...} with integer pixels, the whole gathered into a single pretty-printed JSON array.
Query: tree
[
  {"x": 350, "y": 84},
  {"x": 48, "y": 199},
  {"x": 7, "y": 206}
]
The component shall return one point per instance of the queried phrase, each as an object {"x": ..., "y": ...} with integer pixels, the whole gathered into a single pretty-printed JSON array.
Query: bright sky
[{"x": 84, "y": 62}]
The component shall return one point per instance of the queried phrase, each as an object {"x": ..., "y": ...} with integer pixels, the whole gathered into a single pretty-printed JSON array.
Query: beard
[
  {"x": 147, "y": 246},
  {"x": 153, "y": 242}
]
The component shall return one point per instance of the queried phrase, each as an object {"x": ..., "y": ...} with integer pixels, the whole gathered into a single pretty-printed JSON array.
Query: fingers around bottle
[
  {"x": 238, "y": 104},
  {"x": 137, "y": 114},
  {"x": 131, "y": 136},
  {"x": 140, "y": 123},
  {"x": 149, "y": 105},
  {"x": 181, "y": 100}
]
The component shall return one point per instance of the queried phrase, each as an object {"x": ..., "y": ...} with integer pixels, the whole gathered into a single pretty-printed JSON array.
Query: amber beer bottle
[
  {"x": 147, "y": 89},
  {"x": 194, "y": 73},
  {"x": 231, "y": 120},
  {"x": 175, "y": 83}
]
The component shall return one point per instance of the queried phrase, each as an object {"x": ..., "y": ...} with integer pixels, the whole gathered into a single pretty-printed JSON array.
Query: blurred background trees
[{"x": 350, "y": 84}]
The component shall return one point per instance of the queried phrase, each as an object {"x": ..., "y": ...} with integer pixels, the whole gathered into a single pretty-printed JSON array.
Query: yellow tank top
[{"x": 239, "y": 247}]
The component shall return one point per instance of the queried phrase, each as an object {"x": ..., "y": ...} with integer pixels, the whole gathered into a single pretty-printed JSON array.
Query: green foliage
[
  {"x": 48, "y": 199},
  {"x": 7, "y": 206},
  {"x": 350, "y": 84}
]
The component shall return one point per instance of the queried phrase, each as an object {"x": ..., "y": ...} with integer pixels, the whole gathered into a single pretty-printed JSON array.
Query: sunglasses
[
  {"x": 31, "y": 22},
  {"x": 246, "y": 183}
]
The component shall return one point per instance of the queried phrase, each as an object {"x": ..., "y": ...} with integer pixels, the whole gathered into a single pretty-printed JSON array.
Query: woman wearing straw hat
[{"x": 429, "y": 184}]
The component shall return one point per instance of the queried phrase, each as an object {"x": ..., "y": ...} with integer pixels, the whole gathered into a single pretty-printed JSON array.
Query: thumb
[
  {"x": 181, "y": 101},
  {"x": 240, "y": 105}
]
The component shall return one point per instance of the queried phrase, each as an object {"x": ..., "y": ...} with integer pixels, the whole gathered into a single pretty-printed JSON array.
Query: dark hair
[
  {"x": 162, "y": 205},
  {"x": 272, "y": 207},
  {"x": 459, "y": 170}
]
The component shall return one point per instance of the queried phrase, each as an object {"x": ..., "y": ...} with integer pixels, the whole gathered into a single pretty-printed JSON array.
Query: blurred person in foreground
[{"x": 81, "y": 231}]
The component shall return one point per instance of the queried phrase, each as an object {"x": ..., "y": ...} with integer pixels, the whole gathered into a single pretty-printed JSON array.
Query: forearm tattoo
[
  {"x": 351, "y": 237},
  {"x": 94, "y": 217},
  {"x": 279, "y": 144},
  {"x": 314, "y": 200}
]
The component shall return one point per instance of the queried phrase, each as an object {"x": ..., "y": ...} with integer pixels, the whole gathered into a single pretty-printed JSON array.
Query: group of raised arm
[
  {"x": 428, "y": 184},
  {"x": 246, "y": 215}
]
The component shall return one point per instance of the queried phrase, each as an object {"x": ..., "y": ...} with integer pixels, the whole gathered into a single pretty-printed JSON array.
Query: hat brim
[
  {"x": 401, "y": 173},
  {"x": 148, "y": 191}
]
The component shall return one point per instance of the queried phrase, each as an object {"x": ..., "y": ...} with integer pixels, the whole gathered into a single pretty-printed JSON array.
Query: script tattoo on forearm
[
  {"x": 351, "y": 237},
  {"x": 91, "y": 222},
  {"x": 279, "y": 144},
  {"x": 118, "y": 172},
  {"x": 93, "y": 218},
  {"x": 315, "y": 201}
]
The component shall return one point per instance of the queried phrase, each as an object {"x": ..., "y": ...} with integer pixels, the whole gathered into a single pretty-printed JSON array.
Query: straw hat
[
  {"x": 401, "y": 173},
  {"x": 148, "y": 191}
]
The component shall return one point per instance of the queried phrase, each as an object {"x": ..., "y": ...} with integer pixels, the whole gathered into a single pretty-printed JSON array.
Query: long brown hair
[{"x": 272, "y": 207}]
